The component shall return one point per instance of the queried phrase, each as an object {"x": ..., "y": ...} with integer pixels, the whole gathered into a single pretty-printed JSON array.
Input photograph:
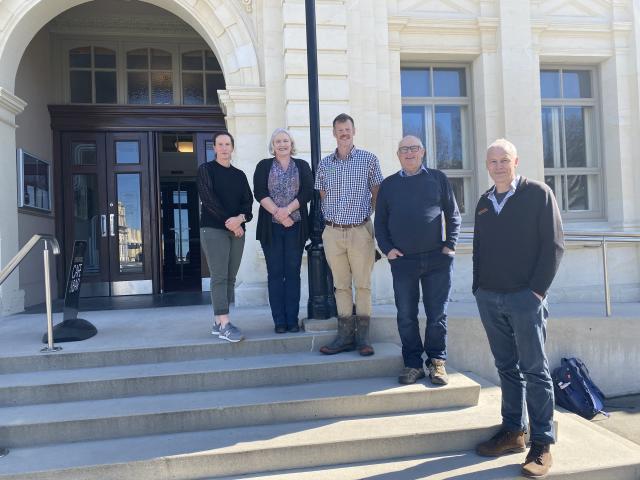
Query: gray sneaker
[
  {"x": 216, "y": 329},
  {"x": 230, "y": 333}
]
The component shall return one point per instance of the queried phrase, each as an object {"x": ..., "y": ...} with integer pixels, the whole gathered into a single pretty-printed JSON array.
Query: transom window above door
[{"x": 142, "y": 75}]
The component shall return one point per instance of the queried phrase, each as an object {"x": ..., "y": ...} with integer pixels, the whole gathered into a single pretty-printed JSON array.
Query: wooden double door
[{"x": 141, "y": 230}]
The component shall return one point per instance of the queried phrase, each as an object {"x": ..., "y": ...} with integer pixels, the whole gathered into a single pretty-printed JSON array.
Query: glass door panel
[{"x": 129, "y": 238}]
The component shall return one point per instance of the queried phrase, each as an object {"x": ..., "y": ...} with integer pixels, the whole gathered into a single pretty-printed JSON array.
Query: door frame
[{"x": 125, "y": 118}]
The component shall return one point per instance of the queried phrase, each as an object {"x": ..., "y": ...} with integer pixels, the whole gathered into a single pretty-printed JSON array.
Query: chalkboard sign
[{"x": 72, "y": 328}]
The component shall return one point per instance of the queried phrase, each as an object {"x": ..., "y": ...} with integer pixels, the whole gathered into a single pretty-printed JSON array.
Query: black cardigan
[{"x": 261, "y": 191}]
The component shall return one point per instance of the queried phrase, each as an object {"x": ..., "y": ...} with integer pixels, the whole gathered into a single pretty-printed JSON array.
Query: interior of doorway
[{"x": 179, "y": 212}]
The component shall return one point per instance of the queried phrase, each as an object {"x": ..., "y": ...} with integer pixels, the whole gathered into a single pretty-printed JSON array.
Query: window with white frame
[
  {"x": 435, "y": 108},
  {"x": 92, "y": 75},
  {"x": 572, "y": 167},
  {"x": 130, "y": 73}
]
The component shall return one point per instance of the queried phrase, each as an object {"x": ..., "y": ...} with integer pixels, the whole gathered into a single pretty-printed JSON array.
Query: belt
[{"x": 345, "y": 225}]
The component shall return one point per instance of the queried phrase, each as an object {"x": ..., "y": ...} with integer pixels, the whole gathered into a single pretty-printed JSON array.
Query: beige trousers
[{"x": 350, "y": 255}]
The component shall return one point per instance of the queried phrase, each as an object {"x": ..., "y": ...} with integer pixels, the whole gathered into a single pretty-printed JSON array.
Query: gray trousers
[{"x": 223, "y": 251}]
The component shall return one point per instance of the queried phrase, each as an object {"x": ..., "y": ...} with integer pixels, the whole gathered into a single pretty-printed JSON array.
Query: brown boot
[
  {"x": 538, "y": 461},
  {"x": 363, "y": 344},
  {"x": 344, "y": 341},
  {"x": 502, "y": 443}
]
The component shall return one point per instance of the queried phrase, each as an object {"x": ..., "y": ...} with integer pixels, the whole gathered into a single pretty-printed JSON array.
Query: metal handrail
[
  {"x": 15, "y": 261},
  {"x": 603, "y": 238}
]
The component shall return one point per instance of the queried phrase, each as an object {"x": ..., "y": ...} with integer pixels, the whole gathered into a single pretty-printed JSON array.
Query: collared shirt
[
  {"x": 347, "y": 184},
  {"x": 405, "y": 174},
  {"x": 512, "y": 189}
]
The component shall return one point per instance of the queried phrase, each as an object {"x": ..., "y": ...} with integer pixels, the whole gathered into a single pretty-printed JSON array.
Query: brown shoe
[
  {"x": 345, "y": 340},
  {"x": 437, "y": 372},
  {"x": 502, "y": 443},
  {"x": 538, "y": 461}
]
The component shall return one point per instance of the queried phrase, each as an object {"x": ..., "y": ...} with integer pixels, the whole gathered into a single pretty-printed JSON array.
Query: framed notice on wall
[{"x": 34, "y": 177}]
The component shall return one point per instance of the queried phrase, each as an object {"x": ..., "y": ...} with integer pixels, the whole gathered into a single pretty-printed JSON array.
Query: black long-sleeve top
[
  {"x": 409, "y": 211},
  {"x": 523, "y": 245},
  {"x": 261, "y": 191},
  {"x": 224, "y": 193}
]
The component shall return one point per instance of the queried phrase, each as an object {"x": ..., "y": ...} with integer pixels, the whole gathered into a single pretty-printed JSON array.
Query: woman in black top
[
  {"x": 226, "y": 206},
  {"x": 283, "y": 185}
]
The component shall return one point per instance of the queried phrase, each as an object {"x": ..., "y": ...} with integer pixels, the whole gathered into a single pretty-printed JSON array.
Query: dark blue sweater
[{"x": 408, "y": 213}]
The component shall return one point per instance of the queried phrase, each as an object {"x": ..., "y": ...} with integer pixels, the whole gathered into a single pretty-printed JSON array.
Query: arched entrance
[{"x": 223, "y": 29}]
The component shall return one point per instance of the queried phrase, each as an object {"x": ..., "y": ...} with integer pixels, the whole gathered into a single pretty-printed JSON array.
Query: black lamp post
[{"x": 322, "y": 302}]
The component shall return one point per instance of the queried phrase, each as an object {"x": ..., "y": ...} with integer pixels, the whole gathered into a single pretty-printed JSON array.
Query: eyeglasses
[{"x": 412, "y": 149}]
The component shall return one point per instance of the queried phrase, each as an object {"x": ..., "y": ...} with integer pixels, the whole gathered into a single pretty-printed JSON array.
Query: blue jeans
[
  {"x": 284, "y": 257},
  {"x": 516, "y": 326},
  {"x": 433, "y": 271}
]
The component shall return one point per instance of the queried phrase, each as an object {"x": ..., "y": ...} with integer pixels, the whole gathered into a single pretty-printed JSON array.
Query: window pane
[
  {"x": 138, "y": 59},
  {"x": 415, "y": 83},
  {"x": 137, "y": 87},
  {"x": 192, "y": 89},
  {"x": 35, "y": 182},
  {"x": 129, "y": 223},
  {"x": 127, "y": 152},
  {"x": 160, "y": 59},
  {"x": 413, "y": 122},
  {"x": 215, "y": 82},
  {"x": 575, "y": 137},
  {"x": 210, "y": 153},
  {"x": 211, "y": 62},
  {"x": 86, "y": 218},
  {"x": 80, "y": 57},
  {"x": 577, "y": 192},
  {"x": 550, "y": 180},
  {"x": 104, "y": 57},
  {"x": 576, "y": 84},
  {"x": 550, "y": 84},
  {"x": 448, "y": 139},
  {"x": 457, "y": 184},
  {"x": 106, "y": 87},
  {"x": 192, "y": 60},
  {"x": 161, "y": 88},
  {"x": 449, "y": 82},
  {"x": 80, "y": 84},
  {"x": 83, "y": 153},
  {"x": 552, "y": 137}
]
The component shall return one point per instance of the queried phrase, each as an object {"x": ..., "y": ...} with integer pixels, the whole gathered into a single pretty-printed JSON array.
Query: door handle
[
  {"x": 112, "y": 228},
  {"x": 103, "y": 225}
]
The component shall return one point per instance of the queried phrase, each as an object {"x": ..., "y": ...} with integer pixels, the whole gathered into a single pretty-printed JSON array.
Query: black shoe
[
  {"x": 281, "y": 329},
  {"x": 294, "y": 329},
  {"x": 410, "y": 375}
]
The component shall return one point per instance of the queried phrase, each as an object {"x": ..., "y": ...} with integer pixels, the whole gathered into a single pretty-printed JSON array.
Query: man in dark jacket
[
  {"x": 417, "y": 224},
  {"x": 517, "y": 247}
]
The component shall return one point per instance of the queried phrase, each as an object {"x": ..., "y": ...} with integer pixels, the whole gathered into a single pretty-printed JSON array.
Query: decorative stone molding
[
  {"x": 248, "y": 5},
  {"x": 120, "y": 24},
  {"x": 12, "y": 104},
  {"x": 243, "y": 101}
]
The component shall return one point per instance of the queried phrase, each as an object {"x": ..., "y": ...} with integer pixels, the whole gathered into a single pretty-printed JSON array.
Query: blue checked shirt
[{"x": 347, "y": 185}]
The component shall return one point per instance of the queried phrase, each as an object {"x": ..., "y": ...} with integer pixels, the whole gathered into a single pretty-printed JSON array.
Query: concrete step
[
  {"x": 194, "y": 375},
  {"x": 584, "y": 451},
  {"x": 74, "y": 356},
  {"x": 236, "y": 451},
  {"x": 136, "y": 416}
]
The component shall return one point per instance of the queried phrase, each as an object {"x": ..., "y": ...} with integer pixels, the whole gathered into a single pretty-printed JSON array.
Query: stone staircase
[{"x": 269, "y": 407}]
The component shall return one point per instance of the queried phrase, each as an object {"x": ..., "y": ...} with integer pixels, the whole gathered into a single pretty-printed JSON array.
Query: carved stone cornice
[
  {"x": 120, "y": 24},
  {"x": 9, "y": 102}
]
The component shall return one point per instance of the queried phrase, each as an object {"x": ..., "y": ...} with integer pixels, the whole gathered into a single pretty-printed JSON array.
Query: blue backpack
[{"x": 575, "y": 391}]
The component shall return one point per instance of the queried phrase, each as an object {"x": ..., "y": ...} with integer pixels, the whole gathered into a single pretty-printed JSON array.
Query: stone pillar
[
  {"x": 11, "y": 297},
  {"x": 245, "y": 112},
  {"x": 521, "y": 85}
]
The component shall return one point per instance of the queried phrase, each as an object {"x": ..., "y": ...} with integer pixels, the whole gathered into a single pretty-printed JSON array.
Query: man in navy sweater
[
  {"x": 517, "y": 247},
  {"x": 417, "y": 224}
]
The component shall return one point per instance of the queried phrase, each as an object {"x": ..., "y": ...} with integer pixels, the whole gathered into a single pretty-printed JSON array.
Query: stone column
[
  {"x": 11, "y": 297},
  {"x": 521, "y": 85}
]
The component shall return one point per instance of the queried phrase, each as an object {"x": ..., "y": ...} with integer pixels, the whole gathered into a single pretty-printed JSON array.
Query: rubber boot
[
  {"x": 344, "y": 341},
  {"x": 363, "y": 344}
]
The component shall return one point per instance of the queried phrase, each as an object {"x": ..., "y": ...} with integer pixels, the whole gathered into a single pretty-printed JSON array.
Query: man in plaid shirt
[{"x": 348, "y": 181}]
